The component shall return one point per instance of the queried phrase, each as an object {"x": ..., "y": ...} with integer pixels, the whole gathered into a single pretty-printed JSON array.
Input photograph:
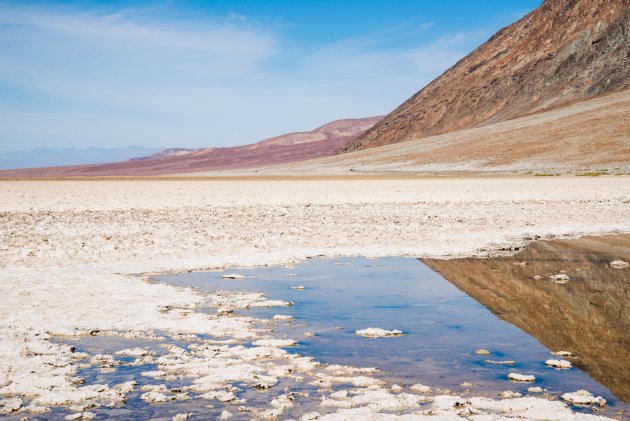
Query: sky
[{"x": 221, "y": 73}]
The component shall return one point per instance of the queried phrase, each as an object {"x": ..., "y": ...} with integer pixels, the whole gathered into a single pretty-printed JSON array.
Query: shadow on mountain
[{"x": 589, "y": 315}]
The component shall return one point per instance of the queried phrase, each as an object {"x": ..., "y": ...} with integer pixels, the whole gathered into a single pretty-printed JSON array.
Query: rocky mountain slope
[
  {"x": 591, "y": 135},
  {"x": 290, "y": 147},
  {"x": 563, "y": 51}
]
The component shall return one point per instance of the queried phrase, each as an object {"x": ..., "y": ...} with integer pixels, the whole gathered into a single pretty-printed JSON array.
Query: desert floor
[{"x": 75, "y": 256}]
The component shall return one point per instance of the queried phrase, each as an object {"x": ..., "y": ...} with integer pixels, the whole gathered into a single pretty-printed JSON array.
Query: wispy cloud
[
  {"x": 73, "y": 77},
  {"x": 229, "y": 35},
  {"x": 374, "y": 56}
]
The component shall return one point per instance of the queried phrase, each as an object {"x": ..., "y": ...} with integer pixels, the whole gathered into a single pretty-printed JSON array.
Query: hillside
[
  {"x": 563, "y": 51},
  {"x": 586, "y": 136},
  {"x": 287, "y": 148}
]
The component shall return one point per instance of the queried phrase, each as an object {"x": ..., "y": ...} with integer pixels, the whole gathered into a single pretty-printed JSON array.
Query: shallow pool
[{"x": 443, "y": 326}]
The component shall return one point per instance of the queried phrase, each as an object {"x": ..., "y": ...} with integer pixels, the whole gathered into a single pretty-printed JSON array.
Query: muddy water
[{"x": 443, "y": 326}]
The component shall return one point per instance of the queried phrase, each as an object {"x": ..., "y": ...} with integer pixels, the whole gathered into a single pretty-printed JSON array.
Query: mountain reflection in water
[{"x": 589, "y": 315}]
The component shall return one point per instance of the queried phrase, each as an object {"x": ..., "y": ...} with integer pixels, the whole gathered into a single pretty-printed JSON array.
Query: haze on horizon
[{"x": 83, "y": 74}]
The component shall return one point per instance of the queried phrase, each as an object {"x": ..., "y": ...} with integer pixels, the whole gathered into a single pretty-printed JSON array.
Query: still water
[
  {"x": 443, "y": 326},
  {"x": 447, "y": 309}
]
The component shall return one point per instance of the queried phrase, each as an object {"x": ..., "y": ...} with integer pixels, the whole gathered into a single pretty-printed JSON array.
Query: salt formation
[
  {"x": 376, "y": 332},
  {"x": 506, "y": 362},
  {"x": 584, "y": 397},
  {"x": 72, "y": 252},
  {"x": 234, "y": 276},
  {"x": 560, "y": 278},
  {"x": 564, "y": 364},
  {"x": 517, "y": 377},
  {"x": 420, "y": 388},
  {"x": 619, "y": 264}
]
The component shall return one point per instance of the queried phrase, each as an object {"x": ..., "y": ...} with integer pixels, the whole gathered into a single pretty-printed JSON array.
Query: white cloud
[
  {"x": 94, "y": 78},
  {"x": 357, "y": 59},
  {"x": 210, "y": 36}
]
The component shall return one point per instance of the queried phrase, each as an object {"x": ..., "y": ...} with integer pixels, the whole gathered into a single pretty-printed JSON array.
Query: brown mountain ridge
[
  {"x": 291, "y": 147},
  {"x": 563, "y": 51}
]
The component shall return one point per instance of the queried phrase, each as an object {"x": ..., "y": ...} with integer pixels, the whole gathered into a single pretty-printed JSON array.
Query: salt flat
[{"x": 71, "y": 252}]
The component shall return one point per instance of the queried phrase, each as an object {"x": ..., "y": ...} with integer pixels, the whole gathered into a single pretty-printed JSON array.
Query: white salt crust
[{"x": 70, "y": 252}]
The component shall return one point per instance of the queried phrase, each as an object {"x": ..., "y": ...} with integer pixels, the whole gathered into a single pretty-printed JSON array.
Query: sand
[{"x": 75, "y": 257}]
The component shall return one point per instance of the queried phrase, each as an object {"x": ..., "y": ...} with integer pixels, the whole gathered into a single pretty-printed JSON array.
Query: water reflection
[
  {"x": 589, "y": 315},
  {"x": 443, "y": 326}
]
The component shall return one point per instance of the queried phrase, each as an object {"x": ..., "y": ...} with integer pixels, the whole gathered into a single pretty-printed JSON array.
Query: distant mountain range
[
  {"x": 49, "y": 157},
  {"x": 291, "y": 147},
  {"x": 563, "y": 51}
]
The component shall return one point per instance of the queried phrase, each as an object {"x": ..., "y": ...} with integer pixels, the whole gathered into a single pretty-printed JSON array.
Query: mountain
[
  {"x": 47, "y": 157},
  {"x": 591, "y": 136},
  {"x": 338, "y": 132},
  {"x": 291, "y": 147},
  {"x": 563, "y": 51},
  {"x": 166, "y": 153}
]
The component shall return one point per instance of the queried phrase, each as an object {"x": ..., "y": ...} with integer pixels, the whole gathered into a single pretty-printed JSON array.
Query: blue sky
[{"x": 220, "y": 73}]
